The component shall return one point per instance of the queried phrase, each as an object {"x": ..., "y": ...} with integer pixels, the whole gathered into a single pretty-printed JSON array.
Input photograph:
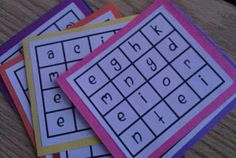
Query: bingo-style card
[
  {"x": 150, "y": 84},
  {"x": 60, "y": 17},
  {"x": 58, "y": 126},
  {"x": 14, "y": 75}
]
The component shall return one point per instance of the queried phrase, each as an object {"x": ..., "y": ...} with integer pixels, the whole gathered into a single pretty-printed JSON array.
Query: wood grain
[{"x": 216, "y": 18}]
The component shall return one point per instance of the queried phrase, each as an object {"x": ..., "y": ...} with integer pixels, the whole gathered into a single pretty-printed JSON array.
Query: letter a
[{"x": 50, "y": 54}]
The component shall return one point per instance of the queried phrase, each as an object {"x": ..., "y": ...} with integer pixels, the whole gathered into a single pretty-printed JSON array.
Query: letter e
[
  {"x": 92, "y": 80},
  {"x": 60, "y": 121},
  {"x": 121, "y": 116},
  {"x": 57, "y": 98},
  {"x": 182, "y": 99}
]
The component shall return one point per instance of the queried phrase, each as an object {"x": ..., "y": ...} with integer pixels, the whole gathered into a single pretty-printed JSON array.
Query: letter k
[{"x": 156, "y": 29}]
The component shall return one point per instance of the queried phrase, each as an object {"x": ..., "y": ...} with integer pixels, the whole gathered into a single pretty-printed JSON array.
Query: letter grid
[
  {"x": 155, "y": 71},
  {"x": 53, "y": 59}
]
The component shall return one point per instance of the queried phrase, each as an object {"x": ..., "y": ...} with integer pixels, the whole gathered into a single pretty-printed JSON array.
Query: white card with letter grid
[{"x": 150, "y": 84}]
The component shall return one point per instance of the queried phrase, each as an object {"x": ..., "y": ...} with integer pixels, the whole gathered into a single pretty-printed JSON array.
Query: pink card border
[{"x": 209, "y": 47}]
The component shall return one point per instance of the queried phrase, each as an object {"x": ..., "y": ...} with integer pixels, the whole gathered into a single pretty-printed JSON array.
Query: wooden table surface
[{"x": 216, "y": 18}]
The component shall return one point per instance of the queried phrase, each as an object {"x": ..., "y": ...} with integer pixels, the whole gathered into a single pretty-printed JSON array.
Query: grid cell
[
  {"x": 128, "y": 81},
  {"x": 50, "y": 74},
  {"x": 157, "y": 29},
  {"x": 55, "y": 99},
  {"x": 143, "y": 99},
  {"x": 136, "y": 137},
  {"x": 68, "y": 20},
  {"x": 166, "y": 81},
  {"x": 135, "y": 46},
  {"x": 150, "y": 63},
  {"x": 114, "y": 63},
  {"x": 121, "y": 117},
  {"x": 92, "y": 80},
  {"x": 76, "y": 49},
  {"x": 182, "y": 99},
  {"x": 188, "y": 63},
  {"x": 202, "y": 83},
  {"x": 60, "y": 122},
  {"x": 99, "y": 39},
  {"x": 49, "y": 55},
  {"x": 172, "y": 46},
  {"x": 160, "y": 118},
  {"x": 106, "y": 98}
]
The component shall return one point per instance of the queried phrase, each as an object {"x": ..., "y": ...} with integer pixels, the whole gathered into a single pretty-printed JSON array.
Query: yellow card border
[{"x": 29, "y": 73}]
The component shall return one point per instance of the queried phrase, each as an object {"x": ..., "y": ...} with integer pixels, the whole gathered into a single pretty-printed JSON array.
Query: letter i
[
  {"x": 142, "y": 97},
  {"x": 102, "y": 39},
  {"x": 202, "y": 79}
]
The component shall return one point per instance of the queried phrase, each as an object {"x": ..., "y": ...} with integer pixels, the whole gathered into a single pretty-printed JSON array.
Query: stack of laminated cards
[{"x": 98, "y": 85}]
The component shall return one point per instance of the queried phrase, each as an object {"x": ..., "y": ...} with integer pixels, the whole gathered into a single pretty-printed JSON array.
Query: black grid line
[
  {"x": 19, "y": 50},
  {"x": 91, "y": 151},
  {"x": 21, "y": 84}
]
